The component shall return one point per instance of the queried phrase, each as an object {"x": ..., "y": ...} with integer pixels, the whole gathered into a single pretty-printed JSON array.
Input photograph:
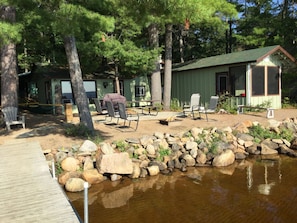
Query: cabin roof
[{"x": 246, "y": 56}]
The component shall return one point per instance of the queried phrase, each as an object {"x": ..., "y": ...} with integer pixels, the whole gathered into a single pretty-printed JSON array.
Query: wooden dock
[{"x": 28, "y": 193}]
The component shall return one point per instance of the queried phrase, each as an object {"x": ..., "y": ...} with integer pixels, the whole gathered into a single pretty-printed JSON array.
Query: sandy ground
[{"x": 48, "y": 129}]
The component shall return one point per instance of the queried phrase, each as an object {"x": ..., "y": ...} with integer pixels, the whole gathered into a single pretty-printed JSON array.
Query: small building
[
  {"x": 252, "y": 77},
  {"x": 49, "y": 88}
]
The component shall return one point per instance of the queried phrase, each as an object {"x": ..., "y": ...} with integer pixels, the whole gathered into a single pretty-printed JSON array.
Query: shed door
[{"x": 222, "y": 83}]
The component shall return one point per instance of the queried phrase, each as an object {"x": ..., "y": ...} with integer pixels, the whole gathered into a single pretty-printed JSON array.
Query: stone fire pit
[{"x": 170, "y": 121}]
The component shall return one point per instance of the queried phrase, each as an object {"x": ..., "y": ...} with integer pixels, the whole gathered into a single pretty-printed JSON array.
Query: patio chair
[
  {"x": 99, "y": 108},
  {"x": 213, "y": 103},
  {"x": 111, "y": 111},
  {"x": 11, "y": 117},
  {"x": 194, "y": 105},
  {"x": 127, "y": 117}
]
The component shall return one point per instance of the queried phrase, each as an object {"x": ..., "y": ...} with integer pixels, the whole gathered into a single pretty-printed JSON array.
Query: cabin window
[
  {"x": 67, "y": 94},
  {"x": 139, "y": 91},
  {"x": 273, "y": 80},
  {"x": 258, "y": 80},
  {"x": 90, "y": 88}
]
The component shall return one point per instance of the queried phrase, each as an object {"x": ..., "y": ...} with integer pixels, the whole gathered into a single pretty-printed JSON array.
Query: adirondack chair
[{"x": 11, "y": 117}]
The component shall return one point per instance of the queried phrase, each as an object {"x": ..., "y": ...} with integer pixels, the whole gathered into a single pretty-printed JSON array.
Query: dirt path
[{"x": 50, "y": 127}]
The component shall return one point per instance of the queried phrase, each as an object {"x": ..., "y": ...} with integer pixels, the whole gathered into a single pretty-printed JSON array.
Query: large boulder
[
  {"x": 70, "y": 164},
  {"x": 92, "y": 176},
  {"x": 118, "y": 163},
  {"x": 88, "y": 146},
  {"x": 63, "y": 177},
  {"x": 74, "y": 185},
  {"x": 153, "y": 170},
  {"x": 266, "y": 150},
  {"x": 224, "y": 159}
]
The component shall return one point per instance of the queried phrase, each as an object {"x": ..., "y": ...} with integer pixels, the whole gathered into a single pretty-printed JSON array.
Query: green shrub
[
  {"x": 163, "y": 152},
  {"x": 225, "y": 102},
  {"x": 79, "y": 130},
  {"x": 174, "y": 105},
  {"x": 121, "y": 145},
  {"x": 260, "y": 133},
  {"x": 286, "y": 134}
]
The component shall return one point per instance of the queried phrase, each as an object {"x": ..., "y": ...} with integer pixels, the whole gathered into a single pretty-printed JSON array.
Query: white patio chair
[
  {"x": 213, "y": 103},
  {"x": 194, "y": 105}
]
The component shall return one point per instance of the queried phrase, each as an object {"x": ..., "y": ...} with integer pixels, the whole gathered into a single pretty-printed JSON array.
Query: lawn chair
[
  {"x": 11, "y": 117},
  {"x": 211, "y": 108},
  {"x": 111, "y": 112},
  {"x": 99, "y": 107},
  {"x": 194, "y": 105},
  {"x": 128, "y": 117}
]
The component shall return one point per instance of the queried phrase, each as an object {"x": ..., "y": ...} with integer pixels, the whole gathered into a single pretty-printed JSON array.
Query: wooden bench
[{"x": 269, "y": 113}]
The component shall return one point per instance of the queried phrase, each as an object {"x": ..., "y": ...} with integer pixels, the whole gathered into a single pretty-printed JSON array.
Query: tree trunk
[
  {"x": 181, "y": 43},
  {"x": 77, "y": 82},
  {"x": 9, "y": 75},
  {"x": 156, "y": 85},
  {"x": 168, "y": 66},
  {"x": 117, "y": 81}
]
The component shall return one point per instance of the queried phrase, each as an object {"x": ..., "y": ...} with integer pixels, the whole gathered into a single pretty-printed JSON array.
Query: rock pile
[{"x": 164, "y": 152}]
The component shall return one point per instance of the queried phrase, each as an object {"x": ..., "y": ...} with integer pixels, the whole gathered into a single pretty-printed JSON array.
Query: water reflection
[
  {"x": 264, "y": 188},
  {"x": 248, "y": 191}
]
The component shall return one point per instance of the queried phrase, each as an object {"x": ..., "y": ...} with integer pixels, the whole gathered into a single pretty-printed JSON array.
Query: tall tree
[
  {"x": 78, "y": 16},
  {"x": 148, "y": 14},
  {"x": 167, "y": 66},
  {"x": 156, "y": 82},
  {"x": 8, "y": 38},
  {"x": 195, "y": 11}
]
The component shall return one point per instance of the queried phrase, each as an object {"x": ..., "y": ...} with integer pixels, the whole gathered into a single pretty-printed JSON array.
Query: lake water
[{"x": 254, "y": 190}]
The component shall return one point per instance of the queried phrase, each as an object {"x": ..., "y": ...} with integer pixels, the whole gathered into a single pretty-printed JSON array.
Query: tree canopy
[{"x": 116, "y": 32}]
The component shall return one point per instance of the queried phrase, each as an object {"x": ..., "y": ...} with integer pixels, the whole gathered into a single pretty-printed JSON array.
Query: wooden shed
[{"x": 252, "y": 77}]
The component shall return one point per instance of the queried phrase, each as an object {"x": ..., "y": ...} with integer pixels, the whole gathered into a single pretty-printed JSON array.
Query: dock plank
[{"x": 28, "y": 191}]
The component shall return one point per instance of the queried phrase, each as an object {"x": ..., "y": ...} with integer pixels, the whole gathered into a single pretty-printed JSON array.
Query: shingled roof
[{"x": 247, "y": 56}]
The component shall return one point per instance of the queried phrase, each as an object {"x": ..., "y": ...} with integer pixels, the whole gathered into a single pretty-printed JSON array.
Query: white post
[
  {"x": 86, "y": 214},
  {"x": 53, "y": 169}
]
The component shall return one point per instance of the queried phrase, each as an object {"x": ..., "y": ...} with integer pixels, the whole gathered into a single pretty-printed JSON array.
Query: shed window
[
  {"x": 258, "y": 80},
  {"x": 273, "y": 80}
]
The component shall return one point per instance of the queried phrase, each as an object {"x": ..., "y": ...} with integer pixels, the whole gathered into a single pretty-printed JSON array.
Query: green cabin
[
  {"x": 48, "y": 89},
  {"x": 251, "y": 77}
]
